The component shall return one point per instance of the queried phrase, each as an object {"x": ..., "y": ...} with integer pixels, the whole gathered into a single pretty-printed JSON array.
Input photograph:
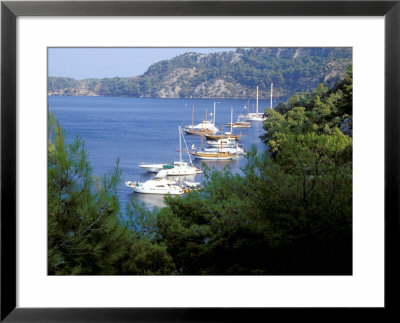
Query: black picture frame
[{"x": 10, "y": 10}]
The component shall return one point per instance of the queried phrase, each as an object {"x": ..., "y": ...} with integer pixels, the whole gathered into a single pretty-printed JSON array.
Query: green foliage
[
  {"x": 60, "y": 83},
  {"x": 290, "y": 214},
  {"x": 322, "y": 111},
  {"x": 86, "y": 234},
  {"x": 281, "y": 217}
]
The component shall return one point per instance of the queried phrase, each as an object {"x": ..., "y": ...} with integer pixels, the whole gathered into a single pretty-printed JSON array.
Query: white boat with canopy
[
  {"x": 156, "y": 186},
  {"x": 222, "y": 143}
]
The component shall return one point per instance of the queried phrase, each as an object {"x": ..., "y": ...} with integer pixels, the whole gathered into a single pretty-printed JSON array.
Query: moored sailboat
[
  {"x": 225, "y": 135},
  {"x": 208, "y": 155},
  {"x": 237, "y": 124},
  {"x": 251, "y": 116},
  {"x": 179, "y": 168},
  {"x": 218, "y": 154},
  {"x": 204, "y": 127}
]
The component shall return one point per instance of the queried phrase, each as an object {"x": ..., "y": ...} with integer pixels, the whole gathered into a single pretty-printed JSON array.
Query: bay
[{"x": 145, "y": 130}]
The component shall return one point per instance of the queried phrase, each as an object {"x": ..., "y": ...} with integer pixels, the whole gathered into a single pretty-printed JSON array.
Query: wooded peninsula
[{"x": 230, "y": 74}]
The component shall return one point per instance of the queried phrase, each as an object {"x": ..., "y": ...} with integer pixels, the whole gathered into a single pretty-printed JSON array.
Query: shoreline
[{"x": 174, "y": 98}]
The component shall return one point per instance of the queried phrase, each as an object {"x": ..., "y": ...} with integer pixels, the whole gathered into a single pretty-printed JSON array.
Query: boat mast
[
  {"x": 272, "y": 89},
  {"x": 180, "y": 144},
  {"x": 214, "y": 114},
  {"x": 192, "y": 116},
  {"x": 187, "y": 149},
  {"x": 231, "y": 118},
  {"x": 257, "y": 102}
]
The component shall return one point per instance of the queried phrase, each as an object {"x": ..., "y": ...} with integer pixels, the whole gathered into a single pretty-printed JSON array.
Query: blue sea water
[{"x": 138, "y": 130}]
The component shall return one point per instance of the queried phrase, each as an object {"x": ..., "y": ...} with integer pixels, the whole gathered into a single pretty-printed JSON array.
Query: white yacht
[
  {"x": 179, "y": 168},
  {"x": 221, "y": 143},
  {"x": 156, "y": 186}
]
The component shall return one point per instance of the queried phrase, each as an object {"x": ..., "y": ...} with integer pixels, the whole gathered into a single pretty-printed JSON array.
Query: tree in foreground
[
  {"x": 289, "y": 214},
  {"x": 86, "y": 231},
  {"x": 293, "y": 218}
]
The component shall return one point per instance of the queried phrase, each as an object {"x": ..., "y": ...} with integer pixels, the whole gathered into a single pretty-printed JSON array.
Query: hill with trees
[{"x": 230, "y": 74}]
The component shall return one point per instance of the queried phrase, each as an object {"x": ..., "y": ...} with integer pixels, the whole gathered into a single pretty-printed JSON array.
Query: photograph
[{"x": 199, "y": 161}]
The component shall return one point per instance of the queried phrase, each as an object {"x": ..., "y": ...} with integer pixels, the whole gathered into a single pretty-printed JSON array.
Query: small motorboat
[
  {"x": 225, "y": 142},
  {"x": 156, "y": 186}
]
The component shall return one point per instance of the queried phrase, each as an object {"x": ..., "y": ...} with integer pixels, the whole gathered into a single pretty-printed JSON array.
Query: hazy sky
[{"x": 81, "y": 63}]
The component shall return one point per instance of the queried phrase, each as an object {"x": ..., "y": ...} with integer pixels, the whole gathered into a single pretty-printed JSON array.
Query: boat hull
[
  {"x": 177, "y": 172},
  {"x": 230, "y": 150},
  {"x": 239, "y": 125},
  {"x": 253, "y": 117},
  {"x": 212, "y": 156},
  {"x": 158, "y": 192},
  {"x": 152, "y": 168},
  {"x": 218, "y": 137},
  {"x": 198, "y": 132}
]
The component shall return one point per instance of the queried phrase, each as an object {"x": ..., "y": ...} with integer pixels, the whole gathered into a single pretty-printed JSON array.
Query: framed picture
[{"x": 364, "y": 33}]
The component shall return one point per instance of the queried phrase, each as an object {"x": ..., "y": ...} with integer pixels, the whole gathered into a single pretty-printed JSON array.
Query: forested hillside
[{"x": 221, "y": 75}]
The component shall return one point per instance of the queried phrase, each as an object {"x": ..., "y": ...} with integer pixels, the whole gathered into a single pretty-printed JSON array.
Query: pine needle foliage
[
  {"x": 290, "y": 212},
  {"x": 86, "y": 232}
]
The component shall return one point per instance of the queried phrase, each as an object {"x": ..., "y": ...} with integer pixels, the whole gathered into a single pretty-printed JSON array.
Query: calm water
[{"x": 145, "y": 130}]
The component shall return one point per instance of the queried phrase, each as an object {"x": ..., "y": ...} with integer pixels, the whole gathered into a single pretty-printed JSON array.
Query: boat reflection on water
[
  {"x": 151, "y": 200},
  {"x": 217, "y": 164}
]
